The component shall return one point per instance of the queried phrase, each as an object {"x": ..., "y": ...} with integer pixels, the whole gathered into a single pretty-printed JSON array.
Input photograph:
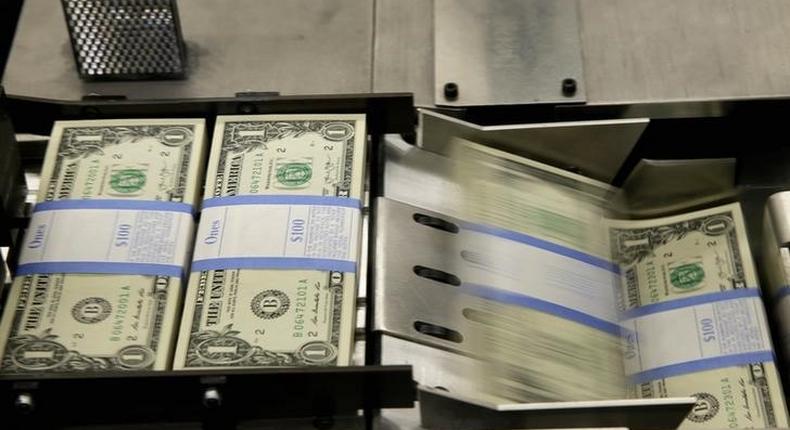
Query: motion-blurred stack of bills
[
  {"x": 534, "y": 254},
  {"x": 681, "y": 292}
]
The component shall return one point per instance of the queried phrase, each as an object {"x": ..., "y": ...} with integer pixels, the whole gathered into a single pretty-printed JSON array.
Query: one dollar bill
[
  {"x": 237, "y": 318},
  {"x": 76, "y": 322},
  {"x": 689, "y": 255}
]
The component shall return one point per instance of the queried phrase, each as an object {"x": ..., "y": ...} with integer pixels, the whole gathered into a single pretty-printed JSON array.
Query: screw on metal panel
[
  {"x": 451, "y": 91},
  {"x": 24, "y": 403},
  {"x": 568, "y": 87},
  {"x": 212, "y": 399}
]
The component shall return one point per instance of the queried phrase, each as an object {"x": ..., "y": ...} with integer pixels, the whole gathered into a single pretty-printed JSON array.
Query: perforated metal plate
[{"x": 125, "y": 39}]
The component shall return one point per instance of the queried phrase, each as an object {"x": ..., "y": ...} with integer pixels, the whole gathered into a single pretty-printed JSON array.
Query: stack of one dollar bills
[
  {"x": 273, "y": 279},
  {"x": 536, "y": 250},
  {"x": 691, "y": 319},
  {"x": 99, "y": 282},
  {"x": 694, "y": 322}
]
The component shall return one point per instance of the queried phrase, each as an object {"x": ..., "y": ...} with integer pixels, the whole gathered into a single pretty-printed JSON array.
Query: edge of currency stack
[
  {"x": 273, "y": 279},
  {"x": 776, "y": 265},
  {"x": 694, "y": 321},
  {"x": 99, "y": 283}
]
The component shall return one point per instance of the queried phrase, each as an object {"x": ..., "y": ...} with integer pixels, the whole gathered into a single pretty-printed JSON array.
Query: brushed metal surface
[
  {"x": 432, "y": 367},
  {"x": 646, "y": 51},
  {"x": 778, "y": 211},
  {"x": 502, "y": 52},
  {"x": 441, "y": 410},
  {"x": 402, "y": 297},
  {"x": 293, "y": 47},
  {"x": 398, "y": 419},
  {"x": 409, "y": 168},
  {"x": 661, "y": 187},
  {"x": 403, "y": 48},
  {"x": 661, "y": 50},
  {"x": 596, "y": 149}
]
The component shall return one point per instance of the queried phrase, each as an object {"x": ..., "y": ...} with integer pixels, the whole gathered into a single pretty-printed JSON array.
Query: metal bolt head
[
  {"x": 568, "y": 87},
  {"x": 451, "y": 91},
  {"x": 24, "y": 403},
  {"x": 212, "y": 399}
]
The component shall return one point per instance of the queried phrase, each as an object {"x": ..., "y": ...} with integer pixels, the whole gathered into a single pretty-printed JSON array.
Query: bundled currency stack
[
  {"x": 687, "y": 308},
  {"x": 100, "y": 274},
  {"x": 273, "y": 276},
  {"x": 694, "y": 322}
]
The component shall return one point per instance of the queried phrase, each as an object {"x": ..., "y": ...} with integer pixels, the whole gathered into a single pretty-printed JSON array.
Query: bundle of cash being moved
[
  {"x": 99, "y": 279},
  {"x": 690, "y": 314},
  {"x": 273, "y": 276},
  {"x": 694, "y": 322},
  {"x": 533, "y": 255}
]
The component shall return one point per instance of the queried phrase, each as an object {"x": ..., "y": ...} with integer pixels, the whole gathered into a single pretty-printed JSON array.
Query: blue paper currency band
[
  {"x": 293, "y": 263},
  {"x": 282, "y": 200},
  {"x": 100, "y": 267},
  {"x": 563, "y": 312},
  {"x": 701, "y": 365},
  {"x": 544, "y": 245},
  {"x": 783, "y": 292},
  {"x": 691, "y": 301},
  {"x": 114, "y": 204}
]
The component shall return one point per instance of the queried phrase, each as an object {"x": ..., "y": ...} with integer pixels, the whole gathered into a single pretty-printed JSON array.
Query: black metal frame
[
  {"x": 542, "y": 113},
  {"x": 220, "y": 399},
  {"x": 9, "y": 15},
  {"x": 12, "y": 183},
  {"x": 223, "y": 398},
  {"x": 386, "y": 112}
]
